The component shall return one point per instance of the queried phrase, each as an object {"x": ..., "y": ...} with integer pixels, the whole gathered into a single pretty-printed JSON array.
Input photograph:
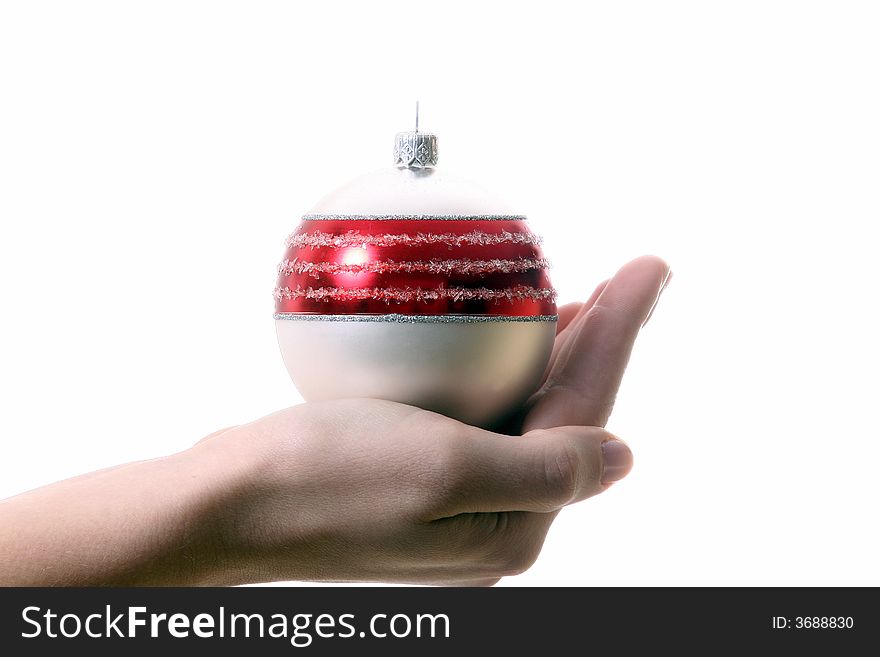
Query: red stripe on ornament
[
  {"x": 463, "y": 266},
  {"x": 409, "y": 294},
  {"x": 354, "y": 238}
]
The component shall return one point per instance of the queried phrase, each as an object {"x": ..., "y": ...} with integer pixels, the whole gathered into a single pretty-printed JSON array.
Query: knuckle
[
  {"x": 483, "y": 531},
  {"x": 510, "y": 544},
  {"x": 446, "y": 471},
  {"x": 561, "y": 469}
]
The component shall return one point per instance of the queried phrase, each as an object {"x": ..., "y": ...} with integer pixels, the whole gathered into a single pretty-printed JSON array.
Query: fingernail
[
  {"x": 659, "y": 294},
  {"x": 617, "y": 461}
]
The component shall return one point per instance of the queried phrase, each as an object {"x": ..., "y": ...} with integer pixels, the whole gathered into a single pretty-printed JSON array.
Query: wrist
[{"x": 233, "y": 472}]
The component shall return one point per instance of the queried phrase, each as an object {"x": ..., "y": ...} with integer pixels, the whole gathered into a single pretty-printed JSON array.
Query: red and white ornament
[{"x": 415, "y": 287}]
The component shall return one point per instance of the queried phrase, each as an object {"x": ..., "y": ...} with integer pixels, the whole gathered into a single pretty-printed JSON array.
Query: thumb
[{"x": 541, "y": 471}]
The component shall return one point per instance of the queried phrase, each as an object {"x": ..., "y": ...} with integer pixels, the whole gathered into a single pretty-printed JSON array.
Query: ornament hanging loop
[{"x": 415, "y": 150}]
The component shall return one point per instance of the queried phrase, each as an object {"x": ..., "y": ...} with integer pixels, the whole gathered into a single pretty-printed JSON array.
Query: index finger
[{"x": 582, "y": 384}]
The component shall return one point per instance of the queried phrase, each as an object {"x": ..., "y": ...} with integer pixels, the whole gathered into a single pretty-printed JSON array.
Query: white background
[{"x": 154, "y": 155}]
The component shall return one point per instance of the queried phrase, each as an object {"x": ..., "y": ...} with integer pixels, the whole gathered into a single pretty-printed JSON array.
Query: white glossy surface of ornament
[
  {"x": 476, "y": 372},
  {"x": 410, "y": 192}
]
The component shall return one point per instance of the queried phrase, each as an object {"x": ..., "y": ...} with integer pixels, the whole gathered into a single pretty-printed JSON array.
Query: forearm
[{"x": 151, "y": 522}]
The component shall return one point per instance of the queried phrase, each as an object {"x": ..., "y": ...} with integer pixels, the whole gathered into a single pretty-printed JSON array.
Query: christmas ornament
[{"x": 413, "y": 286}]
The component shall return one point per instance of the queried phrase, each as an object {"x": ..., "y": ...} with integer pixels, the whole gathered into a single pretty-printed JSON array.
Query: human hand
[
  {"x": 377, "y": 491},
  {"x": 350, "y": 490}
]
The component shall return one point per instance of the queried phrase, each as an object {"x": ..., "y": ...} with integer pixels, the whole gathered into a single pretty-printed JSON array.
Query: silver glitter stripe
[
  {"x": 415, "y": 319},
  {"x": 414, "y": 217},
  {"x": 408, "y": 294},
  {"x": 320, "y": 239},
  {"x": 465, "y": 266}
]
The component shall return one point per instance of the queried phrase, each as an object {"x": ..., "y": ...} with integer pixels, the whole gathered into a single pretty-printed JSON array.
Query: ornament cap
[{"x": 415, "y": 150}]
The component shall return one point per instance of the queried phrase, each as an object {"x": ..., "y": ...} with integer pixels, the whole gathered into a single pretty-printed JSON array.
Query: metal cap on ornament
[
  {"x": 415, "y": 150},
  {"x": 421, "y": 289}
]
